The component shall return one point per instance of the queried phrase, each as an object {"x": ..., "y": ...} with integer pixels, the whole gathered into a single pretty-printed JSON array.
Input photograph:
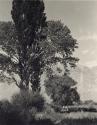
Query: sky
[{"x": 80, "y": 16}]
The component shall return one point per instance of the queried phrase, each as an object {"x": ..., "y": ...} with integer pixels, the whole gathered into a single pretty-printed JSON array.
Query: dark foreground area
[
  {"x": 79, "y": 122},
  {"x": 49, "y": 122},
  {"x": 30, "y": 109}
]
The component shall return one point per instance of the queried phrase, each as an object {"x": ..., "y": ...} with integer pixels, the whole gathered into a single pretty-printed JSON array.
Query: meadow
[{"x": 75, "y": 118}]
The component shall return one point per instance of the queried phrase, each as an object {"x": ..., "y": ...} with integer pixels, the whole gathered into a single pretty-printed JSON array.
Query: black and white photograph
[{"x": 48, "y": 62}]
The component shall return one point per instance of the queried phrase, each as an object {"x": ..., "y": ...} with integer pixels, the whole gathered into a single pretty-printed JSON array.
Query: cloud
[
  {"x": 93, "y": 53},
  {"x": 91, "y": 63},
  {"x": 89, "y": 51},
  {"x": 85, "y": 52},
  {"x": 88, "y": 36}
]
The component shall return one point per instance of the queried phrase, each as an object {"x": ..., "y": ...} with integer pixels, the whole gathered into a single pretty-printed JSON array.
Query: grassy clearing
[
  {"x": 73, "y": 115},
  {"x": 74, "y": 118},
  {"x": 80, "y": 115}
]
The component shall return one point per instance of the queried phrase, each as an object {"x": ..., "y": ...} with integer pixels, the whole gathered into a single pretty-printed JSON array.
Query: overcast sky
[{"x": 79, "y": 16}]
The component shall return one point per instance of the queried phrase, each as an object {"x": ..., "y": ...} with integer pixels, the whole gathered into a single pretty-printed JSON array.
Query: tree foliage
[
  {"x": 55, "y": 43},
  {"x": 8, "y": 50},
  {"x": 59, "y": 41},
  {"x": 21, "y": 41},
  {"x": 32, "y": 46},
  {"x": 62, "y": 90},
  {"x": 29, "y": 19},
  {"x": 59, "y": 47}
]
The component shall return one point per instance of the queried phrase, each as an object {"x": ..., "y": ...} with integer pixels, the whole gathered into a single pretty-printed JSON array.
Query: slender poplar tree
[{"x": 29, "y": 20}]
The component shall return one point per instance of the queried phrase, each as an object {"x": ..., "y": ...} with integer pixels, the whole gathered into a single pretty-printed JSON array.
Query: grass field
[
  {"x": 73, "y": 118},
  {"x": 76, "y": 118},
  {"x": 79, "y": 118}
]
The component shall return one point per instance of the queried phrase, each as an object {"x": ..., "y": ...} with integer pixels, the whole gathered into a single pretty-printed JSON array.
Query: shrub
[
  {"x": 28, "y": 100},
  {"x": 9, "y": 115},
  {"x": 22, "y": 110}
]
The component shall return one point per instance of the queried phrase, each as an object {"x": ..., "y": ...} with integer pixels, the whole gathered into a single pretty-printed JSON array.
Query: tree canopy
[
  {"x": 31, "y": 46},
  {"x": 59, "y": 48},
  {"x": 21, "y": 41},
  {"x": 49, "y": 47},
  {"x": 59, "y": 41},
  {"x": 62, "y": 90},
  {"x": 29, "y": 19}
]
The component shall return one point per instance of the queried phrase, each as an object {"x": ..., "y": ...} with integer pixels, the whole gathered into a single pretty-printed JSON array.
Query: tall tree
[
  {"x": 29, "y": 19},
  {"x": 59, "y": 40},
  {"x": 59, "y": 48}
]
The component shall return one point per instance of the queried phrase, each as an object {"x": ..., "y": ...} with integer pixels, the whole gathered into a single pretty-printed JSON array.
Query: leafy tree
[
  {"x": 29, "y": 20},
  {"x": 59, "y": 41},
  {"x": 8, "y": 47},
  {"x": 60, "y": 48},
  {"x": 62, "y": 90}
]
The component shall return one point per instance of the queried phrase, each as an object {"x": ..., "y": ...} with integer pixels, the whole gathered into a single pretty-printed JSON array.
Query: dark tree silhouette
[{"x": 29, "y": 19}]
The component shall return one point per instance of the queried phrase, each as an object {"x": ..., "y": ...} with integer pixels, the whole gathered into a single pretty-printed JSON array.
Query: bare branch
[{"x": 16, "y": 82}]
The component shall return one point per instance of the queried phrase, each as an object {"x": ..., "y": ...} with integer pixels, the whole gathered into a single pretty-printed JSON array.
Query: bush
[
  {"x": 22, "y": 110},
  {"x": 9, "y": 115},
  {"x": 28, "y": 100}
]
